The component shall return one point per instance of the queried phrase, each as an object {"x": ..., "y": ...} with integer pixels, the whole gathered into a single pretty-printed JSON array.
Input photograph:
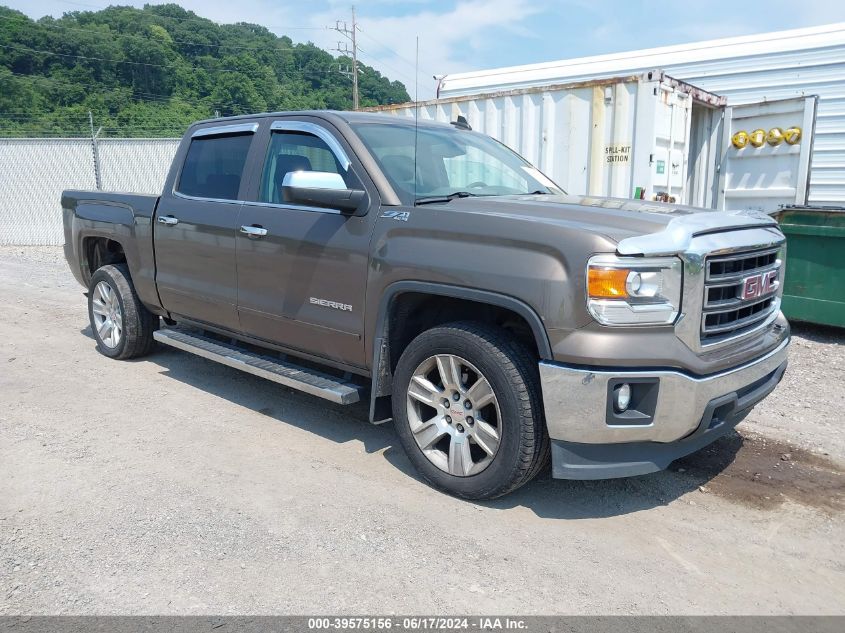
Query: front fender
[{"x": 381, "y": 374}]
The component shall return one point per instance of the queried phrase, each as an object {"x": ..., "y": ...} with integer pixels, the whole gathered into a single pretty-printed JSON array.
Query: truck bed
[
  {"x": 107, "y": 205},
  {"x": 101, "y": 215}
]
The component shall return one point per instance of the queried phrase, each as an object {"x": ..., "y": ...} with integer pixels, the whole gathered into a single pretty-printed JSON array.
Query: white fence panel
[
  {"x": 136, "y": 165},
  {"x": 34, "y": 172}
]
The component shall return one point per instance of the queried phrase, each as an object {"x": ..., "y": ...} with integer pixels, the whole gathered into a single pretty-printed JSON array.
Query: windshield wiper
[{"x": 449, "y": 198}]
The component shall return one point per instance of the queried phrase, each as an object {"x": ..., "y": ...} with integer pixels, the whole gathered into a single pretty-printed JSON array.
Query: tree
[{"x": 152, "y": 71}]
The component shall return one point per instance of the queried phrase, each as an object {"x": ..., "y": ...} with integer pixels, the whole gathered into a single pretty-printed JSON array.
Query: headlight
[{"x": 634, "y": 290}]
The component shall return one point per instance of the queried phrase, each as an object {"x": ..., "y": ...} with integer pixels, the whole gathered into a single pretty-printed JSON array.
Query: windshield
[{"x": 449, "y": 161}]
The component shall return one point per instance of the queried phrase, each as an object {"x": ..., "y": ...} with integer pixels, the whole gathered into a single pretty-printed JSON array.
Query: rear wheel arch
[
  {"x": 97, "y": 251},
  {"x": 397, "y": 325}
]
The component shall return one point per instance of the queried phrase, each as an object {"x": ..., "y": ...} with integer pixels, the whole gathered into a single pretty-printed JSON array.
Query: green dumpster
[{"x": 814, "y": 289}]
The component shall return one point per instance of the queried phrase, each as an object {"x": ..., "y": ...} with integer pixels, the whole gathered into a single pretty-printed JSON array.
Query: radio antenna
[{"x": 416, "y": 112}]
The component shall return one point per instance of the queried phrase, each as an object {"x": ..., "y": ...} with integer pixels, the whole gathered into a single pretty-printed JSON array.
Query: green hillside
[{"x": 152, "y": 71}]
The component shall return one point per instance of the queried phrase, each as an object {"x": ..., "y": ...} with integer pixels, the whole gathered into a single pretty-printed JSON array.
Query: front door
[
  {"x": 301, "y": 284},
  {"x": 196, "y": 225}
]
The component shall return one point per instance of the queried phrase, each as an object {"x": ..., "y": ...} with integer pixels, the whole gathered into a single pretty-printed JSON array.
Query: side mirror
[{"x": 321, "y": 189}]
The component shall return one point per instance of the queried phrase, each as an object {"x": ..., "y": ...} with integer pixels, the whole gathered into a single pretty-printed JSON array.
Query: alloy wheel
[
  {"x": 454, "y": 415},
  {"x": 108, "y": 318}
]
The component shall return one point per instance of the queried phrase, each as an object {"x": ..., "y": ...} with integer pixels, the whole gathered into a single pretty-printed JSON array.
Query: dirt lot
[{"x": 172, "y": 485}]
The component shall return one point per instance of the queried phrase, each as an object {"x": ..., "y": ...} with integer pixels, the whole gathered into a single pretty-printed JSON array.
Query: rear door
[
  {"x": 196, "y": 224},
  {"x": 766, "y": 149},
  {"x": 301, "y": 284}
]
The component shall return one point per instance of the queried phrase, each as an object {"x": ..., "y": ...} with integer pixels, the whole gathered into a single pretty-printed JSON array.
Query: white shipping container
[
  {"x": 777, "y": 66},
  {"x": 641, "y": 136},
  {"x": 615, "y": 137}
]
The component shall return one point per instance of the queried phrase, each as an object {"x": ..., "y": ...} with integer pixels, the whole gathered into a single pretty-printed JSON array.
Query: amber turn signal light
[{"x": 607, "y": 283}]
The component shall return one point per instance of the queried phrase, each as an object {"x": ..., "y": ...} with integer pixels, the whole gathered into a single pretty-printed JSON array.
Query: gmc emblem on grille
[{"x": 759, "y": 285}]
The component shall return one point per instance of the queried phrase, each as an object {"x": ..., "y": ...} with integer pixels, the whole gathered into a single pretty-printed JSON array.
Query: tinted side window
[
  {"x": 214, "y": 166},
  {"x": 296, "y": 151}
]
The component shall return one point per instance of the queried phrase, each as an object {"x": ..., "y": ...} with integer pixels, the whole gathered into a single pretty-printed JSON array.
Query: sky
[{"x": 463, "y": 35}]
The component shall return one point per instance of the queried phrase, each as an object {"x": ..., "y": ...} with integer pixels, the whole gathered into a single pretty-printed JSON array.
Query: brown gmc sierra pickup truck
[{"x": 431, "y": 270}]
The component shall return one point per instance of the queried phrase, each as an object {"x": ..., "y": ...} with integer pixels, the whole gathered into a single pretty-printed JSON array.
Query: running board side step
[{"x": 288, "y": 374}]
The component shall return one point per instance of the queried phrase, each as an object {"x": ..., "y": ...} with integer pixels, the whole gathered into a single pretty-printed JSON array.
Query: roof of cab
[{"x": 330, "y": 115}]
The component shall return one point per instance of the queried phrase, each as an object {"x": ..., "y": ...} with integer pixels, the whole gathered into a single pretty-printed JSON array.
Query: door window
[
  {"x": 214, "y": 166},
  {"x": 297, "y": 151}
]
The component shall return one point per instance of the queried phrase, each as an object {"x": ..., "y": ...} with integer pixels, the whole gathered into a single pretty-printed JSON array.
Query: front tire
[
  {"x": 122, "y": 326},
  {"x": 468, "y": 411}
]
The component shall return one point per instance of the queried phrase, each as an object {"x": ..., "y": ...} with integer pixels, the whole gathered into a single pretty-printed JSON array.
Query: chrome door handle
[
  {"x": 168, "y": 220},
  {"x": 254, "y": 231}
]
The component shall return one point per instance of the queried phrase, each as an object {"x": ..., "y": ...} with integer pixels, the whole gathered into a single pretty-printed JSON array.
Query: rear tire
[
  {"x": 437, "y": 418},
  {"x": 121, "y": 325}
]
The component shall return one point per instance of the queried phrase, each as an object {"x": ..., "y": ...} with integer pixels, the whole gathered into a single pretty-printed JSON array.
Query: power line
[
  {"x": 357, "y": 48},
  {"x": 274, "y": 49},
  {"x": 151, "y": 95},
  {"x": 146, "y": 64},
  {"x": 387, "y": 48},
  {"x": 381, "y": 63},
  {"x": 58, "y": 117},
  {"x": 72, "y": 120},
  {"x": 111, "y": 61},
  {"x": 194, "y": 19},
  {"x": 145, "y": 96},
  {"x": 137, "y": 95},
  {"x": 122, "y": 61},
  {"x": 89, "y": 31},
  {"x": 207, "y": 101},
  {"x": 102, "y": 89}
]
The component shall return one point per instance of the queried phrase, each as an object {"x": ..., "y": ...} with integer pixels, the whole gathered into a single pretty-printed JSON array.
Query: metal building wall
[
  {"x": 34, "y": 172},
  {"x": 767, "y": 67}
]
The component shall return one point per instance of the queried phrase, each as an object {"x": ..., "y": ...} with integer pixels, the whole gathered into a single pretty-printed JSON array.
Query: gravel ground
[{"x": 172, "y": 485}]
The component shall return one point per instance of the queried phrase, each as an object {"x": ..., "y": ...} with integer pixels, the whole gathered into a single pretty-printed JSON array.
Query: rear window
[{"x": 214, "y": 166}]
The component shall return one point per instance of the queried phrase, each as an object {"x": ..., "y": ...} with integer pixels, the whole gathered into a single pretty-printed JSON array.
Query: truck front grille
[{"x": 725, "y": 312}]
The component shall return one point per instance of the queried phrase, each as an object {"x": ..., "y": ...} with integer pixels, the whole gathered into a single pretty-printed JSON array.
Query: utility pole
[
  {"x": 352, "y": 35},
  {"x": 355, "y": 99}
]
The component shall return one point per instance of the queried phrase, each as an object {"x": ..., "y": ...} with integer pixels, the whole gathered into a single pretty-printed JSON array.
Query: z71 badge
[{"x": 402, "y": 216}]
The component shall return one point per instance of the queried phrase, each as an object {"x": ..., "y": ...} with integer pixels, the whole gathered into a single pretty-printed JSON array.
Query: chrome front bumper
[{"x": 576, "y": 400}]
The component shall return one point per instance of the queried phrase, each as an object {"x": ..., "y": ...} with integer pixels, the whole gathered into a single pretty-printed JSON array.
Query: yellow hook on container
[
  {"x": 757, "y": 137},
  {"x": 740, "y": 139},
  {"x": 775, "y": 136},
  {"x": 792, "y": 135}
]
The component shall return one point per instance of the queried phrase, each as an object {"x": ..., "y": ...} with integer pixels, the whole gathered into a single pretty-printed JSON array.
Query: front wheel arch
[{"x": 385, "y": 352}]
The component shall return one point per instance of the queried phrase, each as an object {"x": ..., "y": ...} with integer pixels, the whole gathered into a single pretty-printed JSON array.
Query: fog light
[{"x": 622, "y": 397}]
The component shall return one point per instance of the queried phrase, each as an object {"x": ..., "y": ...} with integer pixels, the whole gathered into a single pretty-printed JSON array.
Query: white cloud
[{"x": 447, "y": 39}]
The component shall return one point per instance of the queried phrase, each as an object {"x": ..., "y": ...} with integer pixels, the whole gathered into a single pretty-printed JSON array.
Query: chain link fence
[{"x": 35, "y": 171}]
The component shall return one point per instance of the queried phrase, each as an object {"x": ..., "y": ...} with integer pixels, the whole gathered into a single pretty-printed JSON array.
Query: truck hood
[{"x": 638, "y": 227}]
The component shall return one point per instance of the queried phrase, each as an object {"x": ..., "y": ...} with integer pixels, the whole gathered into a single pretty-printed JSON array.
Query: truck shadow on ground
[
  {"x": 546, "y": 497},
  {"x": 743, "y": 467}
]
